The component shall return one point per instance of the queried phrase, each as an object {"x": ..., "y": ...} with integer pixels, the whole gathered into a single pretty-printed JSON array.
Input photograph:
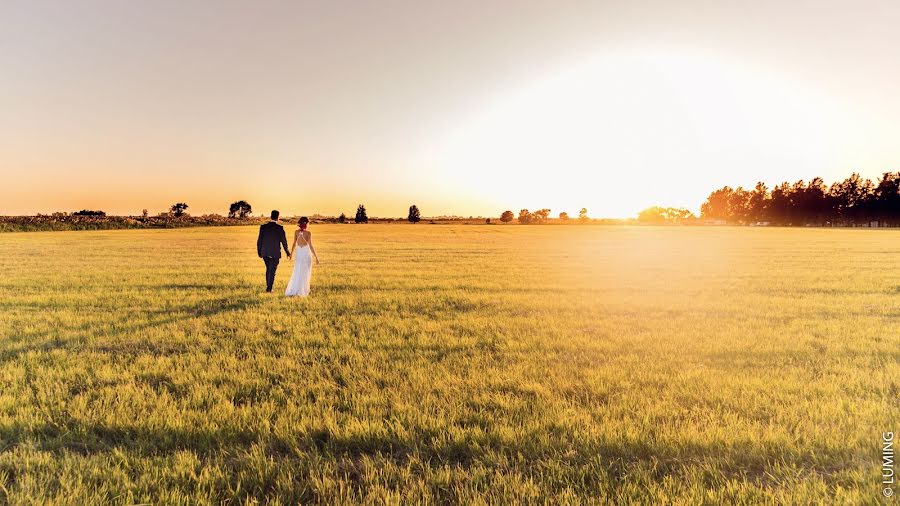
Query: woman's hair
[{"x": 303, "y": 222}]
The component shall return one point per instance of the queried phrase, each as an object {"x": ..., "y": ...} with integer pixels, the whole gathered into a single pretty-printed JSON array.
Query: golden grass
[{"x": 499, "y": 364}]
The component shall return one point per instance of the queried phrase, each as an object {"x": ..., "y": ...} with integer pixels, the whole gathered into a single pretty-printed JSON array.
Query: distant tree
[
  {"x": 87, "y": 212},
  {"x": 779, "y": 208},
  {"x": 487, "y": 221},
  {"x": 540, "y": 216},
  {"x": 414, "y": 215},
  {"x": 855, "y": 197},
  {"x": 361, "y": 216},
  {"x": 583, "y": 214},
  {"x": 814, "y": 202},
  {"x": 144, "y": 214},
  {"x": 652, "y": 215},
  {"x": 739, "y": 205},
  {"x": 717, "y": 204},
  {"x": 525, "y": 217},
  {"x": 758, "y": 202},
  {"x": 852, "y": 201},
  {"x": 661, "y": 215},
  {"x": 679, "y": 214},
  {"x": 178, "y": 209},
  {"x": 795, "y": 208},
  {"x": 239, "y": 209},
  {"x": 507, "y": 216},
  {"x": 564, "y": 216},
  {"x": 887, "y": 199},
  {"x": 342, "y": 218}
]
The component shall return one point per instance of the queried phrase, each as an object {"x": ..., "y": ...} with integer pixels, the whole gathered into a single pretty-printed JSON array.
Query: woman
[{"x": 299, "y": 283}]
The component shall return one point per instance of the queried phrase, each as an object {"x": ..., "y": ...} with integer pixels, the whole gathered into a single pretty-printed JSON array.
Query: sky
[{"x": 464, "y": 108}]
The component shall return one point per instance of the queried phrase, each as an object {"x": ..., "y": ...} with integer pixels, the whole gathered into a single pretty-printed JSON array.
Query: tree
[
  {"x": 660, "y": 215},
  {"x": 677, "y": 214},
  {"x": 717, "y": 204},
  {"x": 795, "y": 198},
  {"x": 564, "y": 216},
  {"x": 507, "y": 216},
  {"x": 342, "y": 218},
  {"x": 814, "y": 202},
  {"x": 852, "y": 201},
  {"x": 178, "y": 209},
  {"x": 854, "y": 198},
  {"x": 414, "y": 215},
  {"x": 361, "y": 216},
  {"x": 240, "y": 209},
  {"x": 582, "y": 215},
  {"x": 524, "y": 217},
  {"x": 540, "y": 216},
  {"x": 739, "y": 205},
  {"x": 652, "y": 215},
  {"x": 779, "y": 206},
  {"x": 887, "y": 198},
  {"x": 758, "y": 202}
]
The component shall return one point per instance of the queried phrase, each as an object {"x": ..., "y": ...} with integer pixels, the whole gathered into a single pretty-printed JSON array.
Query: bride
[{"x": 299, "y": 283}]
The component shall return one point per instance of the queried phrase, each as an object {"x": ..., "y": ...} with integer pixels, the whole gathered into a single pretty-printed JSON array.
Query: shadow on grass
[
  {"x": 742, "y": 458},
  {"x": 78, "y": 338}
]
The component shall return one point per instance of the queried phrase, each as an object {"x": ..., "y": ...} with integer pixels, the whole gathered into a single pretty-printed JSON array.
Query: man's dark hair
[{"x": 275, "y": 215}]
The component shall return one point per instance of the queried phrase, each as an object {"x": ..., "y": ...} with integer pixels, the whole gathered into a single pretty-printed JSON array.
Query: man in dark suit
[{"x": 268, "y": 247}]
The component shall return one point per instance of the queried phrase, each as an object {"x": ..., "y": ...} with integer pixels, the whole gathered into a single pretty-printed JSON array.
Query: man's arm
[
  {"x": 259, "y": 241},
  {"x": 284, "y": 243}
]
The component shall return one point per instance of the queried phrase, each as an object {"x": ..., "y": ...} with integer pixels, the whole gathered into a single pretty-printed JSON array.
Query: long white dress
[{"x": 298, "y": 286}]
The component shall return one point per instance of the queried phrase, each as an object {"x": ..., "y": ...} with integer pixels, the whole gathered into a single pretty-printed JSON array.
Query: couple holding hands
[{"x": 268, "y": 246}]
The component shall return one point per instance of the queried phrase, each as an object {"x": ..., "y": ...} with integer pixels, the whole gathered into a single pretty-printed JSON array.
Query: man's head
[{"x": 275, "y": 215}]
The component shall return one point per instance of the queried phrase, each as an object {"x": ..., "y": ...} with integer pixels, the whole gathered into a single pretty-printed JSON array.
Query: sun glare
[{"x": 623, "y": 131}]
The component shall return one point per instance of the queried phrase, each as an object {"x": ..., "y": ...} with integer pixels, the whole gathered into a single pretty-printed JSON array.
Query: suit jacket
[{"x": 271, "y": 237}]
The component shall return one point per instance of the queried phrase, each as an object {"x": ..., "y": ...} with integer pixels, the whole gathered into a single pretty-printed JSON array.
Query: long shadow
[
  {"x": 84, "y": 333},
  {"x": 741, "y": 458}
]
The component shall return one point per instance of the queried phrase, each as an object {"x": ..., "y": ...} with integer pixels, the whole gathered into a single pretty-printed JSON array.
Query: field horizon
[{"x": 459, "y": 364}]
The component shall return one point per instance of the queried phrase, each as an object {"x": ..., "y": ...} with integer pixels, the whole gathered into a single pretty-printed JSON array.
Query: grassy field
[{"x": 498, "y": 364}]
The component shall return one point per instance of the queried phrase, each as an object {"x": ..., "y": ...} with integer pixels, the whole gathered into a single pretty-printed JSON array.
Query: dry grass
[{"x": 449, "y": 364}]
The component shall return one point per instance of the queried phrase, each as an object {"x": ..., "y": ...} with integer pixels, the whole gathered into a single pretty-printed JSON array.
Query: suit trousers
[{"x": 271, "y": 267}]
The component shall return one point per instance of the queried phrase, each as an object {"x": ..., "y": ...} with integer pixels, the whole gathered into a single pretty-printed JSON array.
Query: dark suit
[{"x": 268, "y": 247}]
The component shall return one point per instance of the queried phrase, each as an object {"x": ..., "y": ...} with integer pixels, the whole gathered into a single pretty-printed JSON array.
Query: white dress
[{"x": 298, "y": 286}]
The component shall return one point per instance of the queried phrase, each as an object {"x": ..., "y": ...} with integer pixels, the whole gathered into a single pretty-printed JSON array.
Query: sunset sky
[{"x": 465, "y": 107}]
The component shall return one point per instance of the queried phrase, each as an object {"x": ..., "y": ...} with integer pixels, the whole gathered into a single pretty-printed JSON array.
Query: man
[{"x": 268, "y": 247}]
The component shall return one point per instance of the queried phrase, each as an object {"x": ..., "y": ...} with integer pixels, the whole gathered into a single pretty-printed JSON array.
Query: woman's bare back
[{"x": 301, "y": 237}]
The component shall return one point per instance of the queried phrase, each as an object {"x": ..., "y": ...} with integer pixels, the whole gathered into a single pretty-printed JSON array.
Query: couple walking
[{"x": 268, "y": 247}]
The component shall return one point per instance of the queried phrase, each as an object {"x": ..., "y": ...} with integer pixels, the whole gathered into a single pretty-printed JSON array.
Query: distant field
[{"x": 453, "y": 363}]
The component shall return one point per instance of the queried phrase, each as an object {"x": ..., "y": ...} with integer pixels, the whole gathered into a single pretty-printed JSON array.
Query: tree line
[
  {"x": 527, "y": 217},
  {"x": 242, "y": 209},
  {"x": 853, "y": 201}
]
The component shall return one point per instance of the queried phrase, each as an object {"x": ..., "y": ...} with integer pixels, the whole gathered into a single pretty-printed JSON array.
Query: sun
[{"x": 625, "y": 130}]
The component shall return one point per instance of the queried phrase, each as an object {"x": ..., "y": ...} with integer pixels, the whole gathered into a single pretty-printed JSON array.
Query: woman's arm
[
  {"x": 309, "y": 241},
  {"x": 294, "y": 244}
]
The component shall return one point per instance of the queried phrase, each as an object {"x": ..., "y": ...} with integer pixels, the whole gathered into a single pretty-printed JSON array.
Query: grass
[{"x": 436, "y": 364}]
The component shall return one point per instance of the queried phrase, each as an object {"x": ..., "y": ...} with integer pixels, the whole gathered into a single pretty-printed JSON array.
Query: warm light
[{"x": 627, "y": 130}]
